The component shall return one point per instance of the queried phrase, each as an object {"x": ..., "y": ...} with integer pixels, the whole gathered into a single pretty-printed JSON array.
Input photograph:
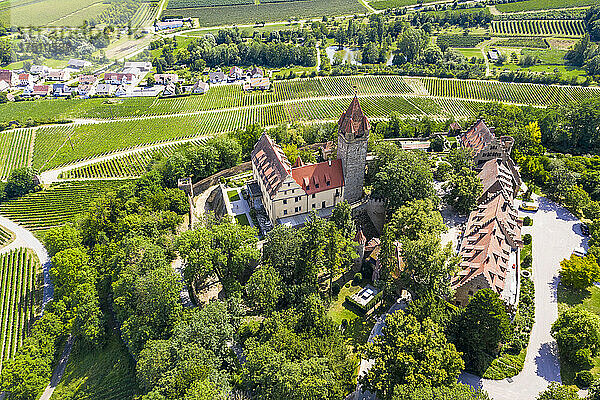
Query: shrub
[
  {"x": 335, "y": 288},
  {"x": 583, "y": 358},
  {"x": 515, "y": 346},
  {"x": 357, "y": 278},
  {"x": 526, "y": 262},
  {"x": 584, "y": 378},
  {"x": 527, "y": 239},
  {"x": 527, "y": 221}
]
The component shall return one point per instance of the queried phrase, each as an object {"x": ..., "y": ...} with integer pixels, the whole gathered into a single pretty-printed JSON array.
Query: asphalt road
[{"x": 555, "y": 234}]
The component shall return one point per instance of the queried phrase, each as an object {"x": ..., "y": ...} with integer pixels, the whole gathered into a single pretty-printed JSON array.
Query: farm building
[
  {"x": 39, "y": 70},
  {"x": 257, "y": 84},
  {"x": 143, "y": 66},
  {"x": 162, "y": 25},
  {"x": 78, "y": 64},
  {"x": 9, "y": 77}
]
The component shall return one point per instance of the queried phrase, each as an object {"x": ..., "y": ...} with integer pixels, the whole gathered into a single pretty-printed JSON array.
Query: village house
[
  {"x": 217, "y": 76},
  {"x": 118, "y": 78},
  {"x": 61, "y": 90},
  {"x": 4, "y": 87},
  {"x": 84, "y": 89},
  {"x": 37, "y": 91},
  {"x": 122, "y": 91},
  {"x": 58, "y": 76},
  {"x": 9, "y": 77},
  {"x": 165, "y": 79},
  {"x": 289, "y": 192},
  {"x": 39, "y": 70},
  {"x": 87, "y": 79},
  {"x": 173, "y": 24},
  {"x": 170, "y": 90},
  {"x": 200, "y": 87},
  {"x": 133, "y": 71},
  {"x": 235, "y": 74},
  {"x": 255, "y": 72},
  {"x": 142, "y": 91},
  {"x": 25, "y": 79},
  {"x": 105, "y": 89},
  {"x": 257, "y": 84}
]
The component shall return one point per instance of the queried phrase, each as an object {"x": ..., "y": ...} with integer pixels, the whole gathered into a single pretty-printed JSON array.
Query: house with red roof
[{"x": 290, "y": 192}]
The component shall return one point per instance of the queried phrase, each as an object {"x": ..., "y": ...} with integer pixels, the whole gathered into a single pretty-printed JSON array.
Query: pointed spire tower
[{"x": 353, "y": 135}]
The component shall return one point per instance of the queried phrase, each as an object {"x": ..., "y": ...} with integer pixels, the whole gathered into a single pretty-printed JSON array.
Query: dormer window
[{"x": 316, "y": 185}]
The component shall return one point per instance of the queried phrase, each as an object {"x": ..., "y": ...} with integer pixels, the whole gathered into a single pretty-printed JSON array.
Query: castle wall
[{"x": 353, "y": 153}]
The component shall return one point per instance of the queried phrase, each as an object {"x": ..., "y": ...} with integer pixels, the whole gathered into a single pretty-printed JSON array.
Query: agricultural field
[
  {"x": 539, "y": 27},
  {"x": 127, "y": 166},
  {"x": 383, "y": 4},
  {"x": 15, "y": 150},
  {"x": 19, "y": 270},
  {"x": 57, "y": 205},
  {"x": 6, "y": 237},
  {"x": 268, "y": 12},
  {"x": 205, "y": 3},
  {"x": 47, "y": 12},
  {"x": 462, "y": 41},
  {"x": 531, "y": 5},
  {"x": 523, "y": 42},
  {"x": 144, "y": 15}
]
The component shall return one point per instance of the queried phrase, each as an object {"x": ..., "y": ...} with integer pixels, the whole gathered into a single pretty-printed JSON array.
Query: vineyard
[
  {"x": 144, "y": 15},
  {"x": 15, "y": 150},
  {"x": 206, "y": 3},
  {"x": 527, "y": 42},
  {"x": 6, "y": 236},
  {"x": 539, "y": 27},
  {"x": 18, "y": 277},
  {"x": 128, "y": 166},
  {"x": 460, "y": 41},
  {"x": 55, "y": 206}
]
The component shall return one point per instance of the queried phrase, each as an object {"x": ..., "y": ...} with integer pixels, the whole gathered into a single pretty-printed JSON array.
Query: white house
[
  {"x": 58, "y": 76},
  {"x": 143, "y": 66},
  {"x": 39, "y": 70},
  {"x": 200, "y": 87},
  {"x": 25, "y": 79},
  {"x": 165, "y": 79},
  {"x": 9, "y": 77},
  {"x": 216, "y": 76},
  {"x": 4, "y": 86},
  {"x": 75, "y": 63},
  {"x": 105, "y": 89}
]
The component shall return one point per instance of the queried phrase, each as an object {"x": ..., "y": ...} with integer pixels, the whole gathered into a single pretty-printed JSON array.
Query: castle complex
[{"x": 289, "y": 192}]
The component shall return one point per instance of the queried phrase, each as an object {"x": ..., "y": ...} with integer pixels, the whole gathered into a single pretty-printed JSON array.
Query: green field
[
  {"x": 107, "y": 373},
  {"x": 18, "y": 277},
  {"x": 269, "y": 12},
  {"x": 382, "y": 4},
  {"x": 539, "y": 27},
  {"x": 55, "y": 206},
  {"x": 530, "y": 5}
]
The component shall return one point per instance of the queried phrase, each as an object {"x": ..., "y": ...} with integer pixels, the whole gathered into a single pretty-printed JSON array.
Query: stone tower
[{"x": 353, "y": 134}]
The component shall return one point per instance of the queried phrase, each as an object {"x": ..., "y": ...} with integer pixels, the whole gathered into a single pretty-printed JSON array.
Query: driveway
[{"x": 555, "y": 234}]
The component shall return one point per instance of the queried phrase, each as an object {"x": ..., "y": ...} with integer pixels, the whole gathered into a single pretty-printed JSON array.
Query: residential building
[
  {"x": 39, "y": 70},
  {"x": 118, "y": 78},
  {"x": 200, "y": 87},
  {"x": 37, "y": 91},
  {"x": 143, "y": 66},
  {"x": 9, "y": 77},
  {"x": 58, "y": 76},
  {"x": 170, "y": 90},
  {"x": 257, "y": 84},
  {"x": 142, "y": 91},
  {"x": 133, "y": 71},
  {"x": 165, "y": 79},
  {"x": 4, "y": 86},
  {"x": 25, "y": 79},
  {"x": 87, "y": 79},
  {"x": 235, "y": 74},
  {"x": 255, "y": 72},
  {"x": 217, "y": 76},
  {"x": 61, "y": 90},
  {"x": 122, "y": 91},
  {"x": 84, "y": 89},
  {"x": 78, "y": 64},
  {"x": 290, "y": 192},
  {"x": 105, "y": 89}
]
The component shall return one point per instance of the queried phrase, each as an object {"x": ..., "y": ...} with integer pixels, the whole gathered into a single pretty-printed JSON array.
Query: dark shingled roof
[
  {"x": 272, "y": 164},
  {"x": 353, "y": 120}
]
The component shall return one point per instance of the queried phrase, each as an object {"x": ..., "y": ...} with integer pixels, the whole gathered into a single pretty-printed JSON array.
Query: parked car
[{"x": 529, "y": 206}]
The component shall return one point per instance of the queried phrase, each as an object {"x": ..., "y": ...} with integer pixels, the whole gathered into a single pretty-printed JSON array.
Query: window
[
  {"x": 297, "y": 199},
  {"x": 323, "y": 205},
  {"x": 314, "y": 205},
  {"x": 316, "y": 185},
  {"x": 284, "y": 212},
  {"x": 285, "y": 201},
  {"x": 307, "y": 187},
  {"x": 337, "y": 192},
  {"x": 313, "y": 195},
  {"x": 328, "y": 183}
]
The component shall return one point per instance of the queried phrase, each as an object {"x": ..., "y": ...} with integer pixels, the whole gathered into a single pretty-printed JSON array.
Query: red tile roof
[
  {"x": 477, "y": 137},
  {"x": 327, "y": 175},
  {"x": 353, "y": 120}
]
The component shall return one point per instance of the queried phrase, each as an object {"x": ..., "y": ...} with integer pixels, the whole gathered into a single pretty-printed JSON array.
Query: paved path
[
  {"x": 24, "y": 238},
  {"x": 555, "y": 234},
  {"x": 59, "y": 370}
]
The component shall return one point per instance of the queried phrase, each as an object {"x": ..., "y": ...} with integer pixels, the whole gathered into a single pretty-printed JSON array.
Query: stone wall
[{"x": 353, "y": 153}]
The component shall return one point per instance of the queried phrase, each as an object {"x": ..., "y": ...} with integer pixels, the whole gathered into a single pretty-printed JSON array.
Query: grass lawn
[
  {"x": 471, "y": 53},
  {"x": 233, "y": 195},
  {"x": 359, "y": 328},
  {"x": 590, "y": 300},
  {"x": 107, "y": 373},
  {"x": 547, "y": 56},
  {"x": 242, "y": 219}
]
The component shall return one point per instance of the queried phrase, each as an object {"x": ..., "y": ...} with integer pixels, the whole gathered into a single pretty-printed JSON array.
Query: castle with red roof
[{"x": 289, "y": 192}]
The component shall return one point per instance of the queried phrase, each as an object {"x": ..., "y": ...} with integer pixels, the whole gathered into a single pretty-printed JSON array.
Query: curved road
[
  {"x": 555, "y": 234},
  {"x": 24, "y": 238}
]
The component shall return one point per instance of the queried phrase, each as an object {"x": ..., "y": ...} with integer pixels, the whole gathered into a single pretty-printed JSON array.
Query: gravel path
[
  {"x": 59, "y": 370},
  {"x": 24, "y": 238},
  {"x": 555, "y": 234}
]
